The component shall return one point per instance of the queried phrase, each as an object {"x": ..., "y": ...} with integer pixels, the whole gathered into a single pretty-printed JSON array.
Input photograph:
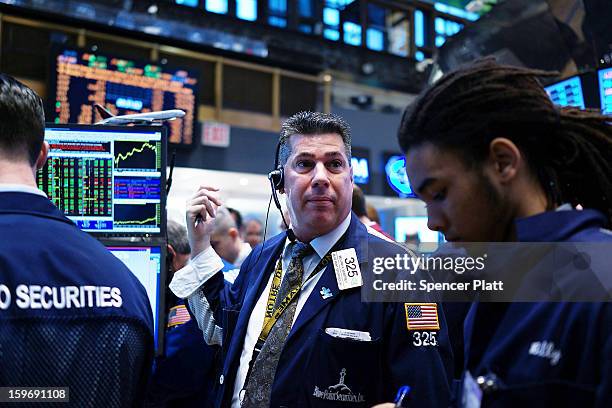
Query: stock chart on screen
[
  {"x": 81, "y": 79},
  {"x": 108, "y": 180}
]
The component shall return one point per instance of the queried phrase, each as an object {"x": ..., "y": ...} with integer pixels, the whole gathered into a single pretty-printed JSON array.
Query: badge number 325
[
  {"x": 346, "y": 267},
  {"x": 424, "y": 338},
  {"x": 352, "y": 269}
]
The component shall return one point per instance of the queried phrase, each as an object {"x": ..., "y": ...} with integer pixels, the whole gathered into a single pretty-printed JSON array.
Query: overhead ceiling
[{"x": 555, "y": 35}]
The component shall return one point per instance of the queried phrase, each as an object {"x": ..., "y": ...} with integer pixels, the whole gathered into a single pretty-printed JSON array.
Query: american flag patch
[
  {"x": 178, "y": 315},
  {"x": 422, "y": 316}
]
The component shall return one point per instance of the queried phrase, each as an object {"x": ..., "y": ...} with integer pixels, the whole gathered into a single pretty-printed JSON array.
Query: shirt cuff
[{"x": 200, "y": 269}]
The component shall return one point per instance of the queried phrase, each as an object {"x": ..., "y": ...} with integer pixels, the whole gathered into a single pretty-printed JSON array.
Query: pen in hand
[{"x": 401, "y": 399}]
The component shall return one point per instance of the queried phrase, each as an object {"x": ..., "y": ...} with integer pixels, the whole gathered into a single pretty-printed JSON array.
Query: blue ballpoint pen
[{"x": 401, "y": 399}]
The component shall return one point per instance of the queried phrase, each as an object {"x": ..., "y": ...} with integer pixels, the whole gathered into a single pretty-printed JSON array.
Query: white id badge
[
  {"x": 347, "y": 269},
  {"x": 472, "y": 394}
]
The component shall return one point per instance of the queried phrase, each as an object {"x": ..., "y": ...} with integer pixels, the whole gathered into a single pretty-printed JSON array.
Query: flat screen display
[
  {"x": 568, "y": 92},
  {"x": 605, "y": 90},
  {"x": 145, "y": 262},
  {"x": 81, "y": 79},
  {"x": 414, "y": 230},
  {"x": 108, "y": 180}
]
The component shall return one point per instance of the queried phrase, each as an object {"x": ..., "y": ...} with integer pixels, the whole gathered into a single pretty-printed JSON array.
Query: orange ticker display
[{"x": 122, "y": 86}]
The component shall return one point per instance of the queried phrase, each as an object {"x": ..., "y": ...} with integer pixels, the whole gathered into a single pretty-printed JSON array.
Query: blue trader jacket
[
  {"x": 66, "y": 301},
  {"x": 39, "y": 246},
  {"x": 313, "y": 364},
  {"x": 544, "y": 354}
]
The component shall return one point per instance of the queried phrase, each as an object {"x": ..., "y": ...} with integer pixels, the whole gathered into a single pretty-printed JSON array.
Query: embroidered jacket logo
[{"x": 339, "y": 392}]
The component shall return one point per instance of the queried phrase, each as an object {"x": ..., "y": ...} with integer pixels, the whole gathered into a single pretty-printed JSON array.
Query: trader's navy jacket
[
  {"x": 312, "y": 361},
  {"x": 77, "y": 316},
  {"x": 545, "y": 354},
  {"x": 40, "y": 246}
]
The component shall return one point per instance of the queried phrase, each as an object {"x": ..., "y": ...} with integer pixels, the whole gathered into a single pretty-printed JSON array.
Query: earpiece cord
[{"x": 265, "y": 229}]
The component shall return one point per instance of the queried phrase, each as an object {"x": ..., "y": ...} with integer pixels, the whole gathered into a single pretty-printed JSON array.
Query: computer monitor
[
  {"x": 568, "y": 92},
  {"x": 413, "y": 230},
  {"x": 148, "y": 264},
  {"x": 108, "y": 180},
  {"x": 80, "y": 78},
  {"x": 604, "y": 77}
]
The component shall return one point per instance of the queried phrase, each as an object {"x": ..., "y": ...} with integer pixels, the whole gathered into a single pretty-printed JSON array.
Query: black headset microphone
[{"x": 277, "y": 182}]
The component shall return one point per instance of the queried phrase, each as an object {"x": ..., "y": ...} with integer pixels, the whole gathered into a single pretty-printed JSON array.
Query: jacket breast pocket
[{"x": 342, "y": 371}]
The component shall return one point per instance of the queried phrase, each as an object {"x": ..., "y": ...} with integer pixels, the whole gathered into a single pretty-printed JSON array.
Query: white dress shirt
[{"x": 187, "y": 280}]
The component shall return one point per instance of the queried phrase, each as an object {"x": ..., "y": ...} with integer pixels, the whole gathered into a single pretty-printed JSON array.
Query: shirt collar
[
  {"x": 324, "y": 243},
  {"x": 20, "y": 188}
]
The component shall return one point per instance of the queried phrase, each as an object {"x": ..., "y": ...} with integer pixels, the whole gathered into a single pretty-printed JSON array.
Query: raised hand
[{"x": 200, "y": 213}]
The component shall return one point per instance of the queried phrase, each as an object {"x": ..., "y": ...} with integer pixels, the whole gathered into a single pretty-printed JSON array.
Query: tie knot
[{"x": 301, "y": 250}]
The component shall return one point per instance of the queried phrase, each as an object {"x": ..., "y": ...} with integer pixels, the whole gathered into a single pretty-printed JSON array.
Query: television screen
[
  {"x": 146, "y": 263},
  {"x": 413, "y": 231},
  {"x": 360, "y": 161},
  {"x": 568, "y": 92},
  {"x": 605, "y": 90},
  {"x": 81, "y": 79},
  {"x": 108, "y": 180}
]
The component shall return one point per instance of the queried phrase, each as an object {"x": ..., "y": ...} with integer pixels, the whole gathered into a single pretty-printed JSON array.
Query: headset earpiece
[
  {"x": 277, "y": 183},
  {"x": 277, "y": 178}
]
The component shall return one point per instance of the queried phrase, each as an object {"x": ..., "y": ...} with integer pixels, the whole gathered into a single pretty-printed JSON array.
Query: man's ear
[
  {"x": 505, "y": 157},
  {"x": 233, "y": 233},
  {"x": 171, "y": 251},
  {"x": 42, "y": 155}
]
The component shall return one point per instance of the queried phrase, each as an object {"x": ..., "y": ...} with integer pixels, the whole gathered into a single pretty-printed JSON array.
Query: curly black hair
[{"x": 569, "y": 150}]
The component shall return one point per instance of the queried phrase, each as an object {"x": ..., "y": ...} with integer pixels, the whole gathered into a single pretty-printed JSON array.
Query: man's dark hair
[
  {"x": 22, "y": 120},
  {"x": 568, "y": 150},
  {"x": 177, "y": 237},
  {"x": 237, "y": 217},
  {"x": 312, "y": 123},
  {"x": 359, "y": 202}
]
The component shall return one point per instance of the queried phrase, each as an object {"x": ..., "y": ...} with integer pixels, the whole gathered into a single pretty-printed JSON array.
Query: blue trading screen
[
  {"x": 605, "y": 90},
  {"x": 145, "y": 264},
  {"x": 567, "y": 93},
  {"x": 82, "y": 78},
  {"x": 106, "y": 180},
  {"x": 414, "y": 225}
]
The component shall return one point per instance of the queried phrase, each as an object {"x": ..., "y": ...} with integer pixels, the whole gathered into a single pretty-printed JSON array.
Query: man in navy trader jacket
[
  {"x": 339, "y": 350},
  {"x": 71, "y": 313},
  {"x": 496, "y": 161}
]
